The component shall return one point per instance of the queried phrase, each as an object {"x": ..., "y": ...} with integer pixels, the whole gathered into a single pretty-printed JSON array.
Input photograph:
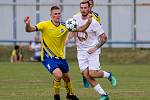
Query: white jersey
[
  {"x": 89, "y": 38},
  {"x": 37, "y": 48}
]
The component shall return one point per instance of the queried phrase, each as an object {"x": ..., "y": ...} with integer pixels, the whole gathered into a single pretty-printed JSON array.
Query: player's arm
[
  {"x": 28, "y": 27},
  {"x": 69, "y": 36},
  {"x": 85, "y": 26},
  {"x": 102, "y": 40}
]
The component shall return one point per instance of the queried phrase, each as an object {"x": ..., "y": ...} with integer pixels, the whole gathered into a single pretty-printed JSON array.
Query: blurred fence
[{"x": 126, "y": 22}]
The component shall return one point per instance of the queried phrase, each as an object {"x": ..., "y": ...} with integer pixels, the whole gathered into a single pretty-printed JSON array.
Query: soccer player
[
  {"x": 72, "y": 34},
  {"x": 35, "y": 46},
  {"x": 95, "y": 14},
  {"x": 54, "y": 34},
  {"x": 88, "y": 44},
  {"x": 98, "y": 19}
]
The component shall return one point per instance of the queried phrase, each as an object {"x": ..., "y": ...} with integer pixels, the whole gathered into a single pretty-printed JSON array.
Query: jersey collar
[{"x": 54, "y": 24}]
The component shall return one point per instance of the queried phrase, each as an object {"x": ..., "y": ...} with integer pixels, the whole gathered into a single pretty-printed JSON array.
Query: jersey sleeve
[
  {"x": 40, "y": 26},
  {"x": 97, "y": 28}
]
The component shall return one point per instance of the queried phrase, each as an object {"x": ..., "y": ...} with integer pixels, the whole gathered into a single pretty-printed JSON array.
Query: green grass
[
  {"x": 31, "y": 81},
  {"x": 108, "y": 55}
]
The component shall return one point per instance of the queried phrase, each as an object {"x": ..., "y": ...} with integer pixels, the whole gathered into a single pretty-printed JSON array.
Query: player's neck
[
  {"x": 55, "y": 23},
  {"x": 84, "y": 17}
]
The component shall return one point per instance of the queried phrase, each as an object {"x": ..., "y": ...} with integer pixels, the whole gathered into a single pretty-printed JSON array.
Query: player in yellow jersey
[
  {"x": 95, "y": 14},
  {"x": 54, "y": 34}
]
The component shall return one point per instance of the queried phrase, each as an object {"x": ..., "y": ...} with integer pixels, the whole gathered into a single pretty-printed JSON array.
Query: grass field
[{"x": 30, "y": 81}]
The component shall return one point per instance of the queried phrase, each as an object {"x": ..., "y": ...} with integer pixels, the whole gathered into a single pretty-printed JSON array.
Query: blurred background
[
  {"x": 126, "y": 22},
  {"x": 126, "y": 53}
]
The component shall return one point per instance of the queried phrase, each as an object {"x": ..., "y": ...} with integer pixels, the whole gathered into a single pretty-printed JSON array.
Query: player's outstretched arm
[
  {"x": 28, "y": 27},
  {"x": 85, "y": 26}
]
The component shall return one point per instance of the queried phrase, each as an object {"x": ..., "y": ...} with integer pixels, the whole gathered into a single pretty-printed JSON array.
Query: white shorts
[{"x": 90, "y": 61}]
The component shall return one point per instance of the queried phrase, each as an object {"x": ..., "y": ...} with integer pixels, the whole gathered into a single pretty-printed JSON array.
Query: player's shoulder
[
  {"x": 62, "y": 23},
  {"x": 94, "y": 20},
  {"x": 95, "y": 14}
]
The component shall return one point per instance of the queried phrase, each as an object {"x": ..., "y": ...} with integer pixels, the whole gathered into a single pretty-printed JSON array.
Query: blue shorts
[{"x": 51, "y": 63}]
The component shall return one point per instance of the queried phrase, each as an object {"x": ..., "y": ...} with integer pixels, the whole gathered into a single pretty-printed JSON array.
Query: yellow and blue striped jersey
[
  {"x": 96, "y": 16},
  {"x": 53, "y": 38}
]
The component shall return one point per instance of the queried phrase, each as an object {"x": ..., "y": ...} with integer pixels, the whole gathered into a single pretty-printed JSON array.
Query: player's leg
[
  {"x": 69, "y": 89},
  {"x": 95, "y": 72},
  {"x": 96, "y": 86},
  {"x": 12, "y": 59},
  {"x": 57, "y": 83},
  {"x": 67, "y": 81},
  {"x": 51, "y": 65},
  {"x": 83, "y": 64},
  {"x": 103, "y": 74},
  {"x": 20, "y": 59}
]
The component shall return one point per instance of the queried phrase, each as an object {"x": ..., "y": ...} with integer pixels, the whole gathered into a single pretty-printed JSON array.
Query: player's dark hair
[
  {"x": 54, "y": 8},
  {"x": 16, "y": 47},
  {"x": 85, "y": 3}
]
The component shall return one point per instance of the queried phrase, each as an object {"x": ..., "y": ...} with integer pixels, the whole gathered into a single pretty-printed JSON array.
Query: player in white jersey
[
  {"x": 36, "y": 47},
  {"x": 88, "y": 50},
  {"x": 96, "y": 16}
]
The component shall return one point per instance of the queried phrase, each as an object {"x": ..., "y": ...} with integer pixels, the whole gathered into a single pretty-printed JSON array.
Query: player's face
[
  {"x": 55, "y": 15},
  {"x": 84, "y": 9}
]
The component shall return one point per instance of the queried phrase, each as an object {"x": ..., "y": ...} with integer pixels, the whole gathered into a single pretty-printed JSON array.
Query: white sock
[
  {"x": 106, "y": 74},
  {"x": 98, "y": 89}
]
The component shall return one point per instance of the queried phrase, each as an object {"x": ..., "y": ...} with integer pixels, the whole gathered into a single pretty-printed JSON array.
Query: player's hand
[
  {"x": 89, "y": 17},
  {"x": 27, "y": 20},
  {"x": 92, "y": 50}
]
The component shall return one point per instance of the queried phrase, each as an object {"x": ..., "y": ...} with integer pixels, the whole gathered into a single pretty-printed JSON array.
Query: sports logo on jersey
[
  {"x": 62, "y": 30},
  {"x": 48, "y": 66},
  {"x": 82, "y": 36}
]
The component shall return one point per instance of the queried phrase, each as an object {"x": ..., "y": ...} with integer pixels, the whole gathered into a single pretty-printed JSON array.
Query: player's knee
[
  {"x": 66, "y": 78},
  {"x": 58, "y": 76},
  {"x": 92, "y": 74},
  {"x": 85, "y": 75}
]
